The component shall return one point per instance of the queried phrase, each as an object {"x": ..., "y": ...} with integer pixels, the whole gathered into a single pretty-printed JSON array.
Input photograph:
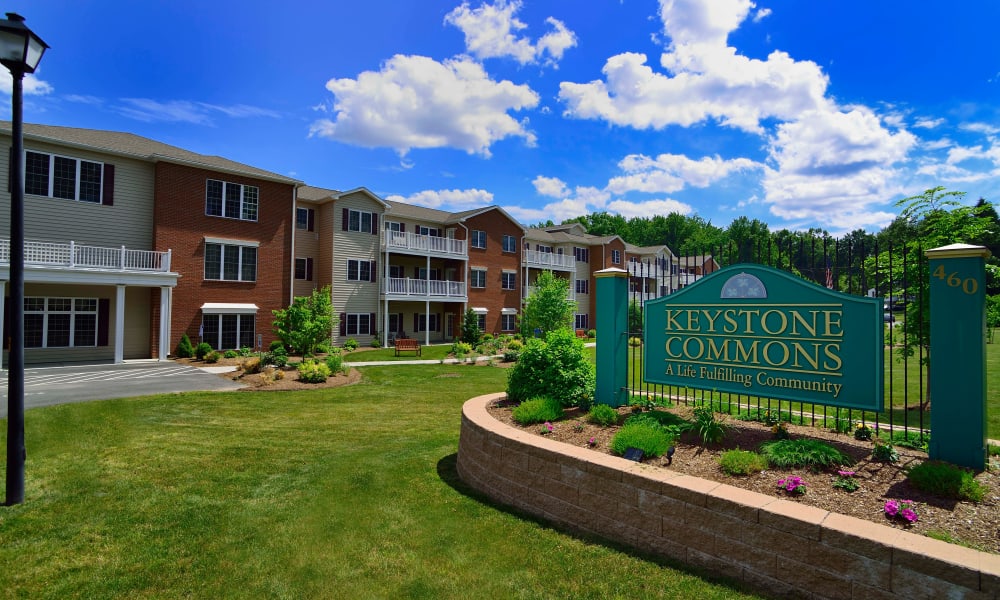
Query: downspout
[
  {"x": 295, "y": 207},
  {"x": 466, "y": 273}
]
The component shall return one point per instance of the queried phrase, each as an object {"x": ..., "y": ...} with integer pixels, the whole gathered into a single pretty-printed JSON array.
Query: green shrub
[
  {"x": 554, "y": 367},
  {"x": 603, "y": 415},
  {"x": 212, "y": 357},
  {"x": 230, "y": 354},
  {"x": 376, "y": 342},
  {"x": 245, "y": 352},
  {"x": 805, "y": 452},
  {"x": 277, "y": 356},
  {"x": 742, "y": 462},
  {"x": 947, "y": 481},
  {"x": 515, "y": 345},
  {"x": 202, "y": 349},
  {"x": 885, "y": 452},
  {"x": 511, "y": 356},
  {"x": 670, "y": 422},
  {"x": 252, "y": 365},
  {"x": 351, "y": 345},
  {"x": 592, "y": 333},
  {"x": 652, "y": 439},
  {"x": 335, "y": 362},
  {"x": 537, "y": 410},
  {"x": 311, "y": 371},
  {"x": 323, "y": 348},
  {"x": 184, "y": 348},
  {"x": 708, "y": 428},
  {"x": 461, "y": 349},
  {"x": 273, "y": 347}
]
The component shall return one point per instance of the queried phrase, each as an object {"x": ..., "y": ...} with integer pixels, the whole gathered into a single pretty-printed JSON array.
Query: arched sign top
[{"x": 743, "y": 285}]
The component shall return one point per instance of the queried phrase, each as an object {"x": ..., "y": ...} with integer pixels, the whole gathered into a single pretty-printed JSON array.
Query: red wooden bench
[{"x": 407, "y": 345}]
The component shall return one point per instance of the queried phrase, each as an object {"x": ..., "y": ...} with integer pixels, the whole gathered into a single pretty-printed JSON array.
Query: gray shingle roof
[{"x": 135, "y": 146}]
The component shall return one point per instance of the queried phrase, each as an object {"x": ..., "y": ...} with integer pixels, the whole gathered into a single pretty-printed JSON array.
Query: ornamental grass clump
[
  {"x": 649, "y": 437},
  {"x": 742, "y": 462},
  {"x": 710, "y": 429},
  {"x": 603, "y": 415},
  {"x": 311, "y": 371},
  {"x": 801, "y": 453},
  {"x": 537, "y": 410},
  {"x": 946, "y": 480}
]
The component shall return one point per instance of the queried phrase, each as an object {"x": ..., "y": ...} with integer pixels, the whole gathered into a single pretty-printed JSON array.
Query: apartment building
[{"x": 130, "y": 243}]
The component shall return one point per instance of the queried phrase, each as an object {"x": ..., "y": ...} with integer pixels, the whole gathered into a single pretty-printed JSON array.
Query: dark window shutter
[
  {"x": 10, "y": 175},
  {"x": 438, "y": 328},
  {"x": 344, "y": 221},
  {"x": 374, "y": 224},
  {"x": 108, "y": 187},
  {"x": 309, "y": 269},
  {"x": 103, "y": 318},
  {"x": 402, "y": 228},
  {"x": 416, "y": 322},
  {"x": 311, "y": 220},
  {"x": 371, "y": 323},
  {"x": 343, "y": 324},
  {"x": 373, "y": 271}
]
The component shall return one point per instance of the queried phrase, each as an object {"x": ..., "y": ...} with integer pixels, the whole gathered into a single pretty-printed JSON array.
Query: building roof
[{"x": 135, "y": 146}]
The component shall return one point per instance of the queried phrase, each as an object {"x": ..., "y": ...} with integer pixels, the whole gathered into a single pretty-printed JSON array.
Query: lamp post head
[{"x": 20, "y": 49}]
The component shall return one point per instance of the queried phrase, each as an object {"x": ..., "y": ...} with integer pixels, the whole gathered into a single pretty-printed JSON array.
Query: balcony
[
  {"x": 549, "y": 260},
  {"x": 76, "y": 256},
  {"x": 413, "y": 243},
  {"x": 423, "y": 289}
]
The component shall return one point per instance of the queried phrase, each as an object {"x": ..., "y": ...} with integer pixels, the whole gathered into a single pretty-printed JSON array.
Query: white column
[
  {"x": 427, "y": 305},
  {"x": 165, "y": 316},
  {"x": 120, "y": 324},
  {"x": 3, "y": 290}
]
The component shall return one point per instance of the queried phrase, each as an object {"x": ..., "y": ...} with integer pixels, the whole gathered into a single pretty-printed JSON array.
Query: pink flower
[
  {"x": 845, "y": 473},
  {"x": 909, "y": 515},
  {"x": 891, "y": 508}
]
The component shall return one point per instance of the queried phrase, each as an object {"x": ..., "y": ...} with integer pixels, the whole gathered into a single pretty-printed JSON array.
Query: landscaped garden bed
[{"x": 883, "y": 491}]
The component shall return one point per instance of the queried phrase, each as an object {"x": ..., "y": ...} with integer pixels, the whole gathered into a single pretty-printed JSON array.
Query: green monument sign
[{"x": 751, "y": 329}]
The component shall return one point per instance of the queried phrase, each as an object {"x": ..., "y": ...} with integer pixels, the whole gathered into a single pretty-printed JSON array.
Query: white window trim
[
  {"x": 371, "y": 270},
  {"x": 371, "y": 220},
  {"x": 218, "y": 308},
  {"x": 476, "y": 234},
  {"x": 215, "y": 240},
  {"x": 357, "y": 328},
  {"x": 72, "y": 312},
  {"x": 243, "y": 188},
  {"x": 513, "y": 246},
  {"x": 239, "y": 264},
  {"x": 52, "y": 175},
  {"x": 483, "y": 270}
]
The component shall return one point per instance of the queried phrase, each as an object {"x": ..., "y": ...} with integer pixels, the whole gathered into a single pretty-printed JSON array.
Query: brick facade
[
  {"x": 181, "y": 225},
  {"x": 493, "y": 297}
]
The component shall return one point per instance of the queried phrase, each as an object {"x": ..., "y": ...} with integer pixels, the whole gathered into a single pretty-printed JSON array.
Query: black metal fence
[{"x": 897, "y": 274}]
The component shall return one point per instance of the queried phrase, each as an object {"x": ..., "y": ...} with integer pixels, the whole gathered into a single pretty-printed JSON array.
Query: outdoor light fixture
[{"x": 20, "y": 51}]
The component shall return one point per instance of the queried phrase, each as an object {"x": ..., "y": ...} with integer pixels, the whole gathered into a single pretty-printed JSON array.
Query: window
[
  {"x": 361, "y": 270},
  {"x": 359, "y": 220},
  {"x": 507, "y": 322},
  {"x": 481, "y": 321},
  {"x": 305, "y": 218},
  {"x": 228, "y": 331},
  {"x": 422, "y": 273},
  {"x": 581, "y": 321},
  {"x": 304, "y": 268},
  {"x": 60, "y": 322},
  {"x": 394, "y": 226},
  {"x": 509, "y": 243},
  {"x": 542, "y": 248},
  {"x": 359, "y": 324},
  {"x": 63, "y": 177},
  {"x": 582, "y": 286},
  {"x": 420, "y": 322},
  {"x": 230, "y": 262},
  {"x": 478, "y": 278},
  {"x": 396, "y": 272},
  {"x": 421, "y": 230},
  {"x": 508, "y": 280},
  {"x": 616, "y": 257},
  {"x": 231, "y": 200},
  {"x": 478, "y": 238},
  {"x": 396, "y": 323}
]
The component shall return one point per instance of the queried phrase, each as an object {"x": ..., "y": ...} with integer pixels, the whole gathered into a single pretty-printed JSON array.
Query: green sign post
[
  {"x": 754, "y": 330},
  {"x": 957, "y": 385},
  {"x": 612, "y": 343}
]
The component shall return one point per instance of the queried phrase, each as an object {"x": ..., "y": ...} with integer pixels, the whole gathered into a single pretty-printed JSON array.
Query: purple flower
[
  {"x": 845, "y": 473},
  {"x": 891, "y": 508},
  {"x": 909, "y": 515},
  {"x": 591, "y": 442}
]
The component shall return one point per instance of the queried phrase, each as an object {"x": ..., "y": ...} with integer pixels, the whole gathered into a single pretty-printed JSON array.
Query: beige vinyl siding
[
  {"x": 129, "y": 222},
  {"x": 138, "y": 313},
  {"x": 356, "y": 296},
  {"x": 411, "y": 309},
  {"x": 307, "y": 245}
]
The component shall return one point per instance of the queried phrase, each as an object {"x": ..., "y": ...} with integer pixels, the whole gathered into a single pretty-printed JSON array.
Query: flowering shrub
[
  {"x": 591, "y": 442},
  {"x": 792, "y": 485},
  {"x": 846, "y": 481},
  {"x": 901, "y": 510},
  {"x": 547, "y": 428},
  {"x": 862, "y": 432},
  {"x": 780, "y": 431}
]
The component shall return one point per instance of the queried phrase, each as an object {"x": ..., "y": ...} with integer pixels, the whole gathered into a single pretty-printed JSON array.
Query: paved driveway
[{"x": 45, "y": 386}]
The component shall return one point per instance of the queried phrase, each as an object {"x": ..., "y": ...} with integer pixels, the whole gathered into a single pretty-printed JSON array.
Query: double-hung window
[
  {"x": 581, "y": 254},
  {"x": 304, "y": 268},
  {"x": 509, "y": 243},
  {"x": 508, "y": 280},
  {"x": 230, "y": 261},
  {"x": 616, "y": 257},
  {"x": 60, "y": 322},
  {"x": 361, "y": 270},
  {"x": 360, "y": 324},
  {"x": 478, "y": 238},
  {"x": 231, "y": 200},
  {"x": 582, "y": 286},
  {"x": 581, "y": 321},
  {"x": 477, "y": 278},
  {"x": 63, "y": 177},
  {"x": 508, "y": 322},
  {"x": 305, "y": 219},
  {"x": 359, "y": 220},
  {"x": 228, "y": 331},
  {"x": 421, "y": 322}
]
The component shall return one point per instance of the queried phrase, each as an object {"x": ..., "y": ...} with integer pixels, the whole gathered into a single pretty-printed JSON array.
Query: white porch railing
[
  {"x": 77, "y": 256},
  {"x": 396, "y": 240},
  {"x": 549, "y": 260},
  {"x": 423, "y": 288}
]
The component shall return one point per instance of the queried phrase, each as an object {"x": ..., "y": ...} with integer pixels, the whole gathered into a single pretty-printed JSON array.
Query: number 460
[{"x": 969, "y": 285}]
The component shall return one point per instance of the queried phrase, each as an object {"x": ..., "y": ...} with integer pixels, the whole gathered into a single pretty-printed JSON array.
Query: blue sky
[{"x": 800, "y": 114}]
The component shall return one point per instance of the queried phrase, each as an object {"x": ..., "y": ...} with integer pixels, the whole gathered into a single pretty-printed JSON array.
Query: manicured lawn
[
  {"x": 340, "y": 493},
  {"x": 433, "y": 352}
]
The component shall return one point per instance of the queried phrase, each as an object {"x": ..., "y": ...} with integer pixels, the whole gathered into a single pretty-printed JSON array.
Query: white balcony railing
[
  {"x": 549, "y": 260},
  {"x": 77, "y": 256},
  {"x": 530, "y": 289},
  {"x": 396, "y": 240},
  {"x": 423, "y": 288}
]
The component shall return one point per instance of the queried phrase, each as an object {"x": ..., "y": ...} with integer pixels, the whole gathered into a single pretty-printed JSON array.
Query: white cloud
[
  {"x": 450, "y": 200},
  {"x": 31, "y": 85},
  {"x": 984, "y": 128},
  {"x": 928, "y": 123},
  {"x": 550, "y": 186},
  {"x": 199, "y": 113},
  {"x": 648, "y": 208},
  {"x": 418, "y": 102},
  {"x": 673, "y": 172},
  {"x": 491, "y": 31},
  {"x": 761, "y": 14}
]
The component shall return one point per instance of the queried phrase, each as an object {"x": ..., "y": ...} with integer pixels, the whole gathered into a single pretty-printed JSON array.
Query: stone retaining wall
[{"x": 772, "y": 544}]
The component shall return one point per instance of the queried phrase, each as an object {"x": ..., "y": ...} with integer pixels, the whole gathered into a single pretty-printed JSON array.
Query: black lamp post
[{"x": 20, "y": 52}]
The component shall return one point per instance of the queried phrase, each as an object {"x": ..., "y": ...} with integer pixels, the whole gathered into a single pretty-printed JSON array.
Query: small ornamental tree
[
  {"x": 308, "y": 322},
  {"x": 184, "y": 348},
  {"x": 470, "y": 328},
  {"x": 548, "y": 308},
  {"x": 553, "y": 368}
]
